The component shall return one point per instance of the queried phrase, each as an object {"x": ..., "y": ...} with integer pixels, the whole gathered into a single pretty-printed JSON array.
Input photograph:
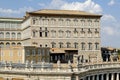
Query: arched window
[
  {"x": 76, "y": 45},
  {"x": 60, "y": 44},
  {"x": 96, "y": 33},
  {"x": 7, "y": 44},
  {"x": 53, "y": 44},
  {"x": 82, "y": 33},
  {"x": 53, "y": 32},
  {"x": 60, "y": 22},
  {"x": 13, "y": 44},
  {"x": 75, "y": 33},
  {"x": 18, "y": 35},
  {"x": 68, "y": 44},
  {"x": 7, "y": 35},
  {"x": 96, "y": 46},
  {"x": 13, "y": 35},
  {"x": 83, "y": 46},
  {"x": 68, "y": 34},
  {"x": 19, "y": 44},
  {"x": 61, "y": 33},
  {"x": 1, "y": 44},
  {"x": 90, "y": 46},
  {"x": 89, "y": 33},
  {"x": 1, "y": 35},
  {"x": 75, "y": 22}
]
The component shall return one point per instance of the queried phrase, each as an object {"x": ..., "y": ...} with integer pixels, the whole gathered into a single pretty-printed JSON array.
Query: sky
[{"x": 110, "y": 9}]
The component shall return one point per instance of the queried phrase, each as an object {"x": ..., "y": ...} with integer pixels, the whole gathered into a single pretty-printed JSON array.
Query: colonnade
[{"x": 106, "y": 76}]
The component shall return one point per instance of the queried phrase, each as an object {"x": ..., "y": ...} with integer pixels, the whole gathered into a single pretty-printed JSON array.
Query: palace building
[{"x": 67, "y": 34}]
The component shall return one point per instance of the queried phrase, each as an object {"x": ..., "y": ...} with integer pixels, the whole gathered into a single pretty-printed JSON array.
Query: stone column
[
  {"x": 112, "y": 76},
  {"x": 117, "y": 77},
  {"x": 93, "y": 77},
  {"x": 77, "y": 77},
  {"x": 107, "y": 76},
  {"x": 98, "y": 77},
  {"x": 88, "y": 77},
  {"x": 102, "y": 76}
]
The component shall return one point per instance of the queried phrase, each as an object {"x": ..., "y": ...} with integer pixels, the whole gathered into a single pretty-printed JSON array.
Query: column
[
  {"x": 97, "y": 77},
  {"x": 93, "y": 77},
  {"x": 102, "y": 76},
  {"x": 88, "y": 77},
  {"x": 112, "y": 76},
  {"x": 77, "y": 77},
  {"x": 117, "y": 78},
  {"x": 107, "y": 76}
]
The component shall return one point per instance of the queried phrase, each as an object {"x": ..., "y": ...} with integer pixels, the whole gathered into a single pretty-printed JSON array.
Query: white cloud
[
  {"x": 12, "y": 12},
  {"x": 88, "y": 5},
  {"x": 109, "y": 31},
  {"x": 112, "y": 2},
  {"x": 108, "y": 18}
]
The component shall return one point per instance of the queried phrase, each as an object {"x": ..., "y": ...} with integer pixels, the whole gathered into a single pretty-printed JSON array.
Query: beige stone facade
[{"x": 56, "y": 29}]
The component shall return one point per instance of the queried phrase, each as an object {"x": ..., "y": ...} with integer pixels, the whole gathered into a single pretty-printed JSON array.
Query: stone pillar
[
  {"x": 117, "y": 77},
  {"x": 107, "y": 76},
  {"x": 77, "y": 77},
  {"x": 93, "y": 77},
  {"x": 112, "y": 76},
  {"x": 102, "y": 78},
  {"x": 88, "y": 77},
  {"x": 98, "y": 77}
]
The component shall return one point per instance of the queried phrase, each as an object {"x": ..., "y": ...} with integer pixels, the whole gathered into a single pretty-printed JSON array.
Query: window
[
  {"x": 34, "y": 21},
  {"x": 75, "y": 22},
  {"x": 53, "y": 21},
  {"x": 1, "y": 44},
  {"x": 68, "y": 34},
  {"x": 60, "y": 22},
  {"x": 67, "y": 22},
  {"x": 27, "y": 52},
  {"x": 33, "y": 52},
  {"x": 1, "y": 35},
  {"x": 83, "y": 46},
  {"x": 46, "y": 32},
  {"x": 7, "y": 35},
  {"x": 39, "y": 52},
  {"x": 89, "y": 22},
  {"x": 96, "y": 33},
  {"x": 40, "y": 33},
  {"x": 53, "y": 44},
  {"x": 53, "y": 32},
  {"x": 89, "y": 33},
  {"x": 18, "y": 35},
  {"x": 60, "y": 44},
  {"x": 96, "y": 46},
  {"x": 13, "y": 35},
  {"x": 68, "y": 44},
  {"x": 60, "y": 33},
  {"x": 7, "y": 44},
  {"x": 82, "y": 33},
  {"x": 82, "y": 23},
  {"x": 90, "y": 46},
  {"x": 13, "y": 44},
  {"x": 76, "y": 45},
  {"x": 75, "y": 33}
]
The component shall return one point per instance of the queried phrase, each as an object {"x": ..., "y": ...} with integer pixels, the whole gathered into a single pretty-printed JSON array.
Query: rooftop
[{"x": 62, "y": 12}]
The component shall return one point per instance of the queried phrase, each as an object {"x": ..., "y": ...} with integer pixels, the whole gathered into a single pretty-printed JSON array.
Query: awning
[{"x": 57, "y": 50}]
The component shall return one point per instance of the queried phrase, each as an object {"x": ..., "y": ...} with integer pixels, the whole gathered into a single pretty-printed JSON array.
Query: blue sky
[{"x": 110, "y": 9}]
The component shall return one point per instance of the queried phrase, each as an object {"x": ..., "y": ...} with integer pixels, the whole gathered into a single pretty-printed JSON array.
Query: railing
[{"x": 48, "y": 67}]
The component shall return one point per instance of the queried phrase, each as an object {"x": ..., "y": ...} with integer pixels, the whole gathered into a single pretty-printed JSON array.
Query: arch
[
  {"x": 13, "y": 35},
  {"x": 7, "y": 35},
  {"x": 1, "y": 44},
  {"x": 19, "y": 35},
  {"x": 7, "y": 44},
  {"x": 1, "y": 35},
  {"x": 19, "y": 44},
  {"x": 13, "y": 43}
]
